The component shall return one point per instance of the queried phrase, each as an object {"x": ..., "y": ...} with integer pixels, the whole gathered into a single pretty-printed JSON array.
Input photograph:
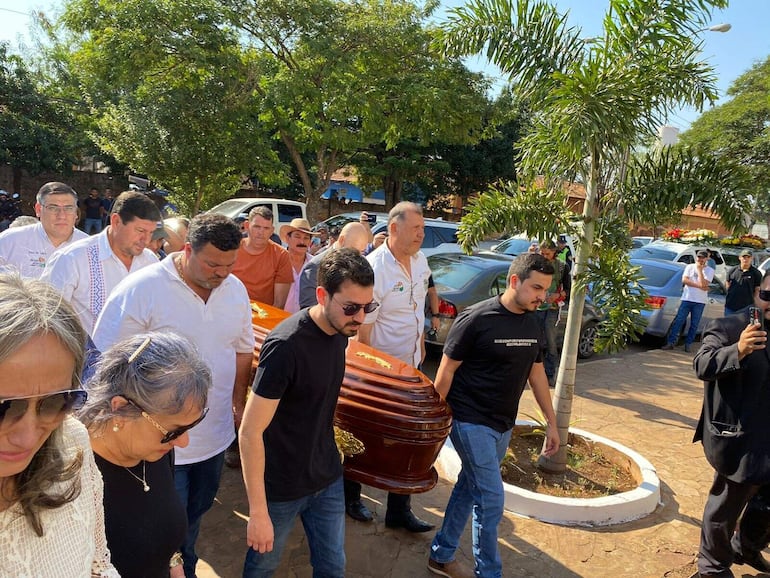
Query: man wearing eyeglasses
[
  {"x": 290, "y": 462},
  {"x": 733, "y": 362},
  {"x": 27, "y": 249}
]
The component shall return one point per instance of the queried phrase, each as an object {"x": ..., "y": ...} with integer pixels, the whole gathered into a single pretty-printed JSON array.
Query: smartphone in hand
[{"x": 755, "y": 316}]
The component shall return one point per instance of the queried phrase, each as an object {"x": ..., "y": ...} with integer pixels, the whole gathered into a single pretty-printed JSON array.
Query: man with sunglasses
[
  {"x": 28, "y": 248},
  {"x": 742, "y": 284},
  {"x": 733, "y": 362},
  {"x": 193, "y": 293},
  {"x": 290, "y": 462}
]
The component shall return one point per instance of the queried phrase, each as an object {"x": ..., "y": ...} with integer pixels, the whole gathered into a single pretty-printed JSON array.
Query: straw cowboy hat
[{"x": 301, "y": 225}]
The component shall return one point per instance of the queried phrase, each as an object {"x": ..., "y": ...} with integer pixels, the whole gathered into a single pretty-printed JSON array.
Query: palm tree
[{"x": 593, "y": 99}]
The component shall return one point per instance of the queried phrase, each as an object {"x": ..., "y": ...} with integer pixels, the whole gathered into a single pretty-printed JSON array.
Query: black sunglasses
[
  {"x": 168, "y": 436},
  {"x": 50, "y": 408},
  {"x": 764, "y": 294},
  {"x": 352, "y": 308}
]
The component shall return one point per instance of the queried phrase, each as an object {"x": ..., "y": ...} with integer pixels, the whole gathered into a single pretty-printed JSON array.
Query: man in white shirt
[
  {"x": 401, "y": 275},
  {"x": 87, "y": 271},
  {"x": 696, "y": 279},
  {"x": 193, "y": 294},
  {"x": 28, "y": 249}
]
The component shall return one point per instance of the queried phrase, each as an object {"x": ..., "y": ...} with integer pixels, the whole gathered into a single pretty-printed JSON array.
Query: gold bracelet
[{"x": 176, "y": 560}]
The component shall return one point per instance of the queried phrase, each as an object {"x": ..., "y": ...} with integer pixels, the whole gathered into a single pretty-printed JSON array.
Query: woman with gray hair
[
  {"x": 147, "y": 393},
  {"x": 51, "y": 517}
]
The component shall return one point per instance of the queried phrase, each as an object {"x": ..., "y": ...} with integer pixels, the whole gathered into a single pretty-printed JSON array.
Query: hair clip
[{"x": 144, "y": 345}]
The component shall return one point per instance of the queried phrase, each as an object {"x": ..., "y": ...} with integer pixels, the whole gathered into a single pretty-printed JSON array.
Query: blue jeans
[
  {"x": 323, "y": 516},
  {"x": 94, "y": 225},
  {"x": 478, "y": 491},
  {"x": 548, "y": 319},
  {"x": 197, "y": 485},
  {"x": 695, "y": 311}
]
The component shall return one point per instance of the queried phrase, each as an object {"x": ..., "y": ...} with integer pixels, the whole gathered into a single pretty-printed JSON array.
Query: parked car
[
  {"x": 343, "y": 219},
  {"x": 764, "y": 266},
  {"x": 283, "y": 210},
  {"x": 663, "y": 281},
  {"x": 640, "y": 241},
  {"x": 462, "y": 280},
  {"x": 520, "y": 243},
  {"x": 681, "y": 253}
]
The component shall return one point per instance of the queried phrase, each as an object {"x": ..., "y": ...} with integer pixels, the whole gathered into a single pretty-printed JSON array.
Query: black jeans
[{"x": 398, "y": 504}]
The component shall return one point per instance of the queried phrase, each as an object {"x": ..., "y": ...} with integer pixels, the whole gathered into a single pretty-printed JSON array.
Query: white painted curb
[{"x": 604, "y": 511}]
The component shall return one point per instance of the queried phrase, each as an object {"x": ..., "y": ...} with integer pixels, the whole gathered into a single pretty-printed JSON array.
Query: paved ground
[{"x": 648, "y": 401}]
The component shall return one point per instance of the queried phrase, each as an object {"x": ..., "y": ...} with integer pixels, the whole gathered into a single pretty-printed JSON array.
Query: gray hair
[
  {"x": 54, "y": 188},
  {"x": 160, "y": 372},
  {"x": 28, "y": 308},
  {"x": 400, "y": 209},
  {"x": 23, "y": 221}
]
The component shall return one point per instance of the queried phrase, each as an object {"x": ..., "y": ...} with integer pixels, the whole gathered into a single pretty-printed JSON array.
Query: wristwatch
[{"x": 176, "y": 560}]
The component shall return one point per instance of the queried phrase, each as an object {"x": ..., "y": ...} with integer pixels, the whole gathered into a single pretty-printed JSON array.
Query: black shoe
[
  {"x": 668, "y": 346},
  {"x": 408, "y": 522},
  {"x": 358, "y": 511},
  {"x": 687, "y": 348},
  {"x": 757, "y": 561}
]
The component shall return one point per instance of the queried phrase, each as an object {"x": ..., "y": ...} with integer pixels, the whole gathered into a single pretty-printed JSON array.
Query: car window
[
  {"x": 686, "y": 259},
  {"x": 499, "y": 284},
  {"x": 430, "y": 239},
  {"x": 445, "y": 234},
  {"x": 657, "y": 276},
  {"x": 716, "y": 288},
  {"x": 648, "y": 252},
  {"x": 513, "y": 246},
  {"x": 450, "y": 275},
  {"x": 731, "y": 260},
  {"x": 288, "y": 212}
]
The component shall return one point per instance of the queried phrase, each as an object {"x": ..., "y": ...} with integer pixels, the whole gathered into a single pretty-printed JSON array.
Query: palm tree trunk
[{"x": 565, "y": 380}]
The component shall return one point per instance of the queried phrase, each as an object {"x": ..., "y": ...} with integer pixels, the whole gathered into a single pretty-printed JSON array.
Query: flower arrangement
[
  {"x": 699, "y": 236},
  {"x": 753, "y": 241},
  {"x": 674, "y": 235}
]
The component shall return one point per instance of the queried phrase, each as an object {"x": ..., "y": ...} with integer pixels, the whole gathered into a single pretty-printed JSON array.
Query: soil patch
[{"x": 593, "y": 469}]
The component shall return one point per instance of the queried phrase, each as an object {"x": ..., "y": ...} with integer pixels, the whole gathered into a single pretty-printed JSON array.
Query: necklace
[
  {"x": 143, "y": 479},
  {"x": 178, "y": 264}
]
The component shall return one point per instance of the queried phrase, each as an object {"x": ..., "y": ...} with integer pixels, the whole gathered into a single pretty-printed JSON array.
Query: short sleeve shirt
[
  {"x": 28, "y": 249},
  {"x": 497, "y": 348},
  {"x": 694, "y": 294},
  {"x": 400, "y": 318},
  {"x": 740, "y": 293},
  {"x": 303, "y": 367},
  {"x": 260, "y": 273}
]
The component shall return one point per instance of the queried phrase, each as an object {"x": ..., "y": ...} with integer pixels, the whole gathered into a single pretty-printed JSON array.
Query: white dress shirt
[{"x": 28, "y": 249}]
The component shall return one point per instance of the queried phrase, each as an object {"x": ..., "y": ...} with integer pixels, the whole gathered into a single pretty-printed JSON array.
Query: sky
[{"x": 731, "y": 53}]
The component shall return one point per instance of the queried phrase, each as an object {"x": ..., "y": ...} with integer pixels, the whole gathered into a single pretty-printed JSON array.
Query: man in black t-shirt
[
  {"x": 290, "y": 462},
  {"x": 492, "y": 350},
  {"x": 742, "y": 285}
]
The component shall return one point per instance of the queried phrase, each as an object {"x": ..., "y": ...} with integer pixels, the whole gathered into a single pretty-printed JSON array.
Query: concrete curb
[{"x": 605, "y": 511}]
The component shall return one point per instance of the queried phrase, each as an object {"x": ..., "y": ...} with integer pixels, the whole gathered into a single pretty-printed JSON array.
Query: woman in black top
[{"x": 147, "y": 392}]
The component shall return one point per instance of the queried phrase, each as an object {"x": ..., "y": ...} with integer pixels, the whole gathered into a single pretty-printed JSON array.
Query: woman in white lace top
[{"x": 51, "y": 516}]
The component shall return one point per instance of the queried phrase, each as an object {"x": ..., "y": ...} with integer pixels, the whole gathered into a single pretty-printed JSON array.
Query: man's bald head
[{"x": 354, "y": 235}]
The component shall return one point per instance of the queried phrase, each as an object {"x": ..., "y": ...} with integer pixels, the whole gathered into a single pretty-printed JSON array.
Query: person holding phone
[{"x": 735, "y": 433}]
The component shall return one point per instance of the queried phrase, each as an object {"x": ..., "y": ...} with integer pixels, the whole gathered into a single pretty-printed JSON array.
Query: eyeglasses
[
  {"x": 59, "y": 209},
  {"x": 50, "y": 408},
  {"x": 352, "y": 308},
  {"x": 168, "y": 436}
]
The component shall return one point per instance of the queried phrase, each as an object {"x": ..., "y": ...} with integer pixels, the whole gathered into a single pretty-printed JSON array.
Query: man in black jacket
[{"x": 735, "y": 431}]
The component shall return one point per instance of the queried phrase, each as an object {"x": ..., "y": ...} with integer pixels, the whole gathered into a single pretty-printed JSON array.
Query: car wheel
[{"x": 587, "y": 337}]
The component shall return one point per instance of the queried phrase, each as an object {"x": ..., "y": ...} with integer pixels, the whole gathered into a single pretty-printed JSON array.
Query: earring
[{"x": 115, "y": 427}]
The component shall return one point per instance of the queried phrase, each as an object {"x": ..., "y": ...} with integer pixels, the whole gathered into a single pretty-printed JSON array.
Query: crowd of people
[{"x": 125, "y": 387}]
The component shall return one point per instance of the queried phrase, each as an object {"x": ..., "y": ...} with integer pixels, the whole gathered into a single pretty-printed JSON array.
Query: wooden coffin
[{"x": 388, "y": 405}]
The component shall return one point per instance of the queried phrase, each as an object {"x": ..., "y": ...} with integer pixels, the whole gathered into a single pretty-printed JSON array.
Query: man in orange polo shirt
[{"x": 262, "y": 265}]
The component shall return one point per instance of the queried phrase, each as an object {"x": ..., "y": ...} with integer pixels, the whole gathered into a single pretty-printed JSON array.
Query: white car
[{"x": 682, "y": 253}]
